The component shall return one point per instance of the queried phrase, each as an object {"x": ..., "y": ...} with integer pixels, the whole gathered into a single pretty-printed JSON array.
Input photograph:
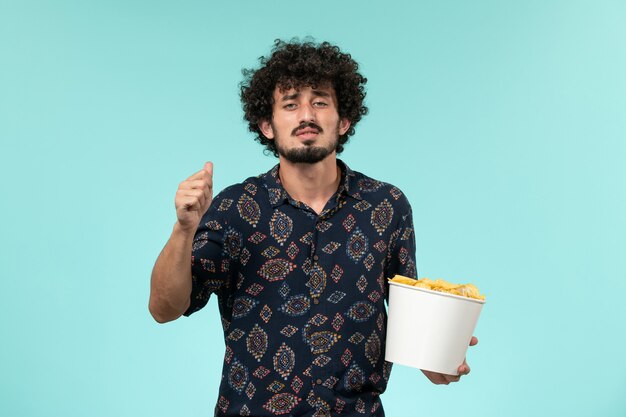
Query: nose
[{"x": 307, "y": 113}]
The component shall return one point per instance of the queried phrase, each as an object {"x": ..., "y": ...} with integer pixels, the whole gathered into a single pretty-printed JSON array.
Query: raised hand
[{"x": 193, "y": 198}]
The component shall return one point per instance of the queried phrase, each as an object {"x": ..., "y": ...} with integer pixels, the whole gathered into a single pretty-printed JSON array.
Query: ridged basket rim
[{"x": 443, "y": 294}]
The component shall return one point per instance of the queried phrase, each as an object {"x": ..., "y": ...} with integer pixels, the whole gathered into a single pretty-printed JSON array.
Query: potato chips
[{"x": 464, "y": 290}]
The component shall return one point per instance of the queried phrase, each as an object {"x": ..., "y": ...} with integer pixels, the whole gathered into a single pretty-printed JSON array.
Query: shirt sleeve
[
  {"x": 211, "y": 264},
  {"x": 402, "y": 249}
]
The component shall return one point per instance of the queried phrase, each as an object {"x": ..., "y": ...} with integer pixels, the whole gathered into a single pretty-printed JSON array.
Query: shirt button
[
  {"x": 316, "y": 301},
  {"x": 315, "y": 258},
  {"x": 318, "y": 382}
]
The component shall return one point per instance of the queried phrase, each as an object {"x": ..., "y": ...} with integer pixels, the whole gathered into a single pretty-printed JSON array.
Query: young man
[{"x": 299, "y": 256}]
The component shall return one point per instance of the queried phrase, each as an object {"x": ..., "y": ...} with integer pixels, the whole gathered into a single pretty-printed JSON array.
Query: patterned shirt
[{"x": 301, "y": 295}]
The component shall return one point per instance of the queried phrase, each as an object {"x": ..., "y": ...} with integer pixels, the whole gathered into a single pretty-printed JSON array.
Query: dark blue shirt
[{"x": 301, "y": 295}]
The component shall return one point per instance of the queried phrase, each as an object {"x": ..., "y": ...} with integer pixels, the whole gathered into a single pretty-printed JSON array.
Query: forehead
[{"x": 322, "y": 90}]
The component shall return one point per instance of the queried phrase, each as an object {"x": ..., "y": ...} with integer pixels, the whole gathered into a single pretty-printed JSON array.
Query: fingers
[
  {"x": 205, "y": 174},
  {"x": 208, "y": 167},
  {"x": 194, "y": 184},
  {"x": 194, "y": 196},
  {"x": 198, "y": 180},
  {"x": 185, "y": 195},
  {"x": 452, "y": 378},
  {"x": 202, "y": 179},
  {"x": 464, "y": 369},
  {"x": 441, "y": 379},
  {"x": 190, "y": 204},
  {"x": 198, "y": 175},
  {"x": 434, "y": 377}
]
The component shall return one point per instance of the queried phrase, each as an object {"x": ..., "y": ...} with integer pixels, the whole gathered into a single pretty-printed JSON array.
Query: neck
[{"x": 312, "y": 184}]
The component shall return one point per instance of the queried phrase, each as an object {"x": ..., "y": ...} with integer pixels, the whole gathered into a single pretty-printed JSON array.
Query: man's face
[{"x": 305, "y": 124}]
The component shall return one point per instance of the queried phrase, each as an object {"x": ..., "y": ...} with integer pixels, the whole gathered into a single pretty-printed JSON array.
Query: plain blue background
[{"x": 503, "y": 121}]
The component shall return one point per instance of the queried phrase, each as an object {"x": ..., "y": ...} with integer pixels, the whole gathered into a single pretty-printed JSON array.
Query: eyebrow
[
  {"x": 290, "y": 97},
  {"x": 321, "y": 93},
  {"x": 318, "y": 93}
]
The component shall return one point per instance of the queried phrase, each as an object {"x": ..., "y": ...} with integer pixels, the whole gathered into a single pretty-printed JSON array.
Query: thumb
[{"x": 208, "y": 167}]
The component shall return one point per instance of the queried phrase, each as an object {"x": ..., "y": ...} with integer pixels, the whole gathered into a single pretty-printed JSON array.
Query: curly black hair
[{"x": 296, "y": 64}]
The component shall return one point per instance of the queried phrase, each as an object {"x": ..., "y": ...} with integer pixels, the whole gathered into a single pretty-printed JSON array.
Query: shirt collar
[{"x": 278, "y": 195}]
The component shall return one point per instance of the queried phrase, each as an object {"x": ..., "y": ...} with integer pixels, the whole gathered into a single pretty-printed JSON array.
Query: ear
[
  {"x": 344, "y": 125},
  {"x": 266, "y": 129}
]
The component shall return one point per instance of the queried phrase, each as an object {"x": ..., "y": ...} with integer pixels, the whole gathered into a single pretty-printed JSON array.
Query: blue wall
[{"x": 503, "y": 122}]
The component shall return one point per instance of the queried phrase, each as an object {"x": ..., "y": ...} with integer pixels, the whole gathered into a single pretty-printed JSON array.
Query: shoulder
[
  {"x": 377, "y": 191},
  {"x": 250, "y": 187}
]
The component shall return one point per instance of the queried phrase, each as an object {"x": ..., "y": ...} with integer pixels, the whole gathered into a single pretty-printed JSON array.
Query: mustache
[{"x": 304, "y": 125}]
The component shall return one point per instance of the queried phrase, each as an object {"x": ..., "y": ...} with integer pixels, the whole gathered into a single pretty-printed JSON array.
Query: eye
[
  {"x": 289, "y": 106},
  {"x": 320, "y": 104}
]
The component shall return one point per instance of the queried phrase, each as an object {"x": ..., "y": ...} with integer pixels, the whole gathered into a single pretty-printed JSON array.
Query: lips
[{"x": 307, "y": 132}]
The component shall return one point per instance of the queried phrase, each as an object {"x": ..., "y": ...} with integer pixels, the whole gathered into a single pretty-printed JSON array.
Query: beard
[{"x": 309, "y": 154}]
